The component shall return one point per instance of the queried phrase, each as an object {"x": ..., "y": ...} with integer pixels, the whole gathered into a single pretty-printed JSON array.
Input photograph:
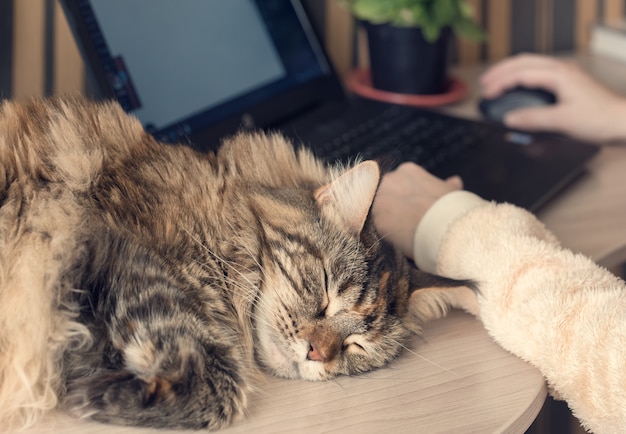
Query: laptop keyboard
[{"x": 399, "y": 134}]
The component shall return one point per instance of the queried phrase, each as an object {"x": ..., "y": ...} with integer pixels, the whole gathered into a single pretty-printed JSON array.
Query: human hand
[
  {"x": 403, "y": 198},
  {"x": 585, "y": 108}
]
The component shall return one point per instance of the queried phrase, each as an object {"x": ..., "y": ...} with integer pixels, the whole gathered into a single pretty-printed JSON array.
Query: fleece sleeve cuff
[{"x": 434, "y": 225}]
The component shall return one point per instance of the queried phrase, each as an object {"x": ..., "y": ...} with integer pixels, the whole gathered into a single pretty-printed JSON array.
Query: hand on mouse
[{"x": 585, "y": 108}]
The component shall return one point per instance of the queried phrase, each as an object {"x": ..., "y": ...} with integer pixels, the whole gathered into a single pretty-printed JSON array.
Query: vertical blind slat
[
  {"x": 28, "y": 49},
  {"x": 498, "y": 25},
  {"x": 69, "y": 70}
]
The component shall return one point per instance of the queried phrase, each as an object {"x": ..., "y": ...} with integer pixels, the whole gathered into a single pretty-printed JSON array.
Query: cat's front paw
[{"x": 191, "y": 402}]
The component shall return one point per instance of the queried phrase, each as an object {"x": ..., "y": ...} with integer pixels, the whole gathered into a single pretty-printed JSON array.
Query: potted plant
[{"x": 409, "y": 41}]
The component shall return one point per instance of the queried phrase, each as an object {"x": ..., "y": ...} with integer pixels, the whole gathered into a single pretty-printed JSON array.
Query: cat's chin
[
  {"x": 292, "y": 366},
  {"x": 276, "y": 361}
]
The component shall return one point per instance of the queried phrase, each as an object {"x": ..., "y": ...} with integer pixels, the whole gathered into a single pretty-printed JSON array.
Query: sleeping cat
[{"x": 148, "y": 284}]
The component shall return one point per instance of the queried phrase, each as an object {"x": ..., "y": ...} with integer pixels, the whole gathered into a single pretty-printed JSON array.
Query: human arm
[
  {"x": 585, "y": 108},
  {"x": 553, "y": 308},
  {"x": 399, "y": 206}
]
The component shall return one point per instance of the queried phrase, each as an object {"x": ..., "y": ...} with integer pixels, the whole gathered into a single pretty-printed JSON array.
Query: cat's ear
[{"x": 349, "y": 198}]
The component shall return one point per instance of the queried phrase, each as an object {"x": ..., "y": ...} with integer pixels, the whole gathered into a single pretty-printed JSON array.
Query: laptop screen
[{"x": 184, "y": 68}]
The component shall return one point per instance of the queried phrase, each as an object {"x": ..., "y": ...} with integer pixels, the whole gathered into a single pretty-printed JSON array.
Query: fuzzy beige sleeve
[{"x": 553, "y": 308}]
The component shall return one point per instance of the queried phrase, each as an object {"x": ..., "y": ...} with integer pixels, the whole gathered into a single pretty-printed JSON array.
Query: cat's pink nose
[{"x": 314, "y": 354}]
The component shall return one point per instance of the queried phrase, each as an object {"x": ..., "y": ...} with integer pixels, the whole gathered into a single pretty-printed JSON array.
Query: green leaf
[
  {"x": 431, "y": 31},
  {"x": 414, "y": 15},
  {"x": 430, "y": 15},
  {"x": 420, "y": 13},
  {"x": 466, "y": 10},
  {"x": 444, "y": 12},
  {"x": 468, "y": 29},
  {"x": 376, "y": 11}
]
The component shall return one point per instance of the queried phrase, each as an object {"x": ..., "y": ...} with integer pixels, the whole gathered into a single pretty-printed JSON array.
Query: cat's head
[{"x": 334, "y": 295}]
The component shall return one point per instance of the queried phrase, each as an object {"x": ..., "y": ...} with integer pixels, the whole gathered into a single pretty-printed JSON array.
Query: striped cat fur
[{"x": 149, "y": 284}]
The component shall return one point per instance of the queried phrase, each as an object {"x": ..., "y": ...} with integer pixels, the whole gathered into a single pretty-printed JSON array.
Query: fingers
[
  {"x": 528, "y": 70},
  {"x": 413, "y": 173},
  {"x": 515, "y": 63},
  {"x": 455, "y": 182},
  {"x": 536, "y": 119},
  {"x": 411, "y": 169}
]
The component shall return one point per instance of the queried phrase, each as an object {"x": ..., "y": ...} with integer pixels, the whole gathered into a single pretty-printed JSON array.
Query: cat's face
[
  {"x": 323, "y": 314},
  {"x": 329, "y": 303}
]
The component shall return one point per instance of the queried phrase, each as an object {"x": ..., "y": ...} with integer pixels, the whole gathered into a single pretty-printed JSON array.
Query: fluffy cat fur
[{"x": 149, "y": 284}]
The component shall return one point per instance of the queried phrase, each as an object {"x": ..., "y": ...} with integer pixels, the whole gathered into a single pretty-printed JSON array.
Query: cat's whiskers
[
  {"x": 250, "y": 298},
  {"x": 220, "y": 259},
  {"x": 253, "y": 299},
  {"x": 427, "y": 360},
  {"x": 248, "y": 251},
  {"x": 229, "y": 281},
  {"x": 256, "y": 320},
  {"x": 374, "y": 245}
]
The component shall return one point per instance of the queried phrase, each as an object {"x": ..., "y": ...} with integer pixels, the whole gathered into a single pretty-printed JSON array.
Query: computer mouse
[{"x": 494, "y": 109}]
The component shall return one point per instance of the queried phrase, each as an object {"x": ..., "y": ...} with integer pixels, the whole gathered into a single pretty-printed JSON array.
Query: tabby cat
[{"x": 149, "y": 284}]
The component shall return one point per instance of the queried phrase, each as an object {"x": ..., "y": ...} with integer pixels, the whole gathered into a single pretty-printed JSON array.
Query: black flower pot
[{"x": 402, "y": 61}]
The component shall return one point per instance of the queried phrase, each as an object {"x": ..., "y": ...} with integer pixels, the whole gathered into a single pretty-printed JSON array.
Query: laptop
[{"x": 197, "y": 70}]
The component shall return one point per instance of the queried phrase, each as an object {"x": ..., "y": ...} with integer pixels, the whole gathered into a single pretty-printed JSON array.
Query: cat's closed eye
[
  {"x": 325, "y": 300},
  {"x": 323, "y": 309},
  {"x": 355, "y": 344}
]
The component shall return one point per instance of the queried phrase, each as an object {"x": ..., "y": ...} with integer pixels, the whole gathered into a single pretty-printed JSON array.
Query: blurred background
[{"x": 39, "y": 57}]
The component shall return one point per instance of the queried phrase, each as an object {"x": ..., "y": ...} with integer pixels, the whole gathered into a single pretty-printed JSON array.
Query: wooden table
[{"x": 454, "y": 379}]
